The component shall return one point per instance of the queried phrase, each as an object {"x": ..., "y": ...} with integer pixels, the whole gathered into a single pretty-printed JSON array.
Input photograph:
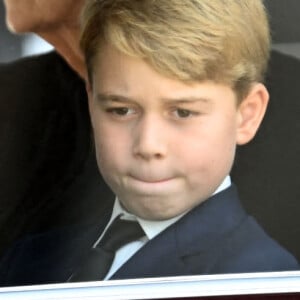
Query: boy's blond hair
[{"x": 226, "y": 41}]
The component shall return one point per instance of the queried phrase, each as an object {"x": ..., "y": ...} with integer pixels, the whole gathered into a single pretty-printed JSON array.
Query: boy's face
[{"x": 162, "y": 146}]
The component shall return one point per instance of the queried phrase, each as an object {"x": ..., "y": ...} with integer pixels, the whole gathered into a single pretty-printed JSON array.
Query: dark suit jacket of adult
[
  {"x": 215, "y": 237},
  {"x": 45, "y": 142},
  {"x": 266, "y": 170}
]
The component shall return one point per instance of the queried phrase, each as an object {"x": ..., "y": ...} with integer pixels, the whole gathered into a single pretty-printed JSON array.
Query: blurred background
[
  {"x": 284, "y": 16},
  {"x": 14, "y": 46}
]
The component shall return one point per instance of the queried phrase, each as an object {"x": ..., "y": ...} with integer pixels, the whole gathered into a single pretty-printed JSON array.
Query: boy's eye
[
  {"x": 121, "y": 111},
  {"x": 183, "y": 113}
]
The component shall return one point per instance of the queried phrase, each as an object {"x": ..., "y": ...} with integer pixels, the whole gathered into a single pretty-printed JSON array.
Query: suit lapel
[
  {"x": 78, "y": 246},
  {"x": 160, "y": 251},
  {"x": 58, "y": 252}
]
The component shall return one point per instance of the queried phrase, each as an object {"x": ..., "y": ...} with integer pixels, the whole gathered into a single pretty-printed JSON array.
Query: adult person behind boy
[
  {"x": 174, "y": 86},
  {"x": 44, "y": 125}
]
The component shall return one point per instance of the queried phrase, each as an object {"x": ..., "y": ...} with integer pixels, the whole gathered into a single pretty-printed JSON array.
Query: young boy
[{"x": 174, "y": 86}]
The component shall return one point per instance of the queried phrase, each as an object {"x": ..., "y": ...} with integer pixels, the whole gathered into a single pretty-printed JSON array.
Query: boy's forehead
[
  {"x": 112, "y": 64},
  {"x": 117, "y": 75}
]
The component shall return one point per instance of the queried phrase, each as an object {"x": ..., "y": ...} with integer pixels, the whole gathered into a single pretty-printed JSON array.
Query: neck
[{"x": 65, "y": 41}]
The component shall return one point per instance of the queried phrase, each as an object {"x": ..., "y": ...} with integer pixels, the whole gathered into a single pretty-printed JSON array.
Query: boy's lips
[
  {"x": 152, "y": 185},
  {"x": 151, "y": 179}
]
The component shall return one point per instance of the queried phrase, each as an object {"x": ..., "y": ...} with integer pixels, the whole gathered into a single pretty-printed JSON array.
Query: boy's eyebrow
[
  {"x": 180, "y": 100},
  {"x": 111, "y": 97},
  {"x": 189, "y": 99}
]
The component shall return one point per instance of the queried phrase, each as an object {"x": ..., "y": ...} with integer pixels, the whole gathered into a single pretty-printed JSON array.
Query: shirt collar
[
  {"x": 226, "y": 183},
  {"x": 151, "y": 228}
]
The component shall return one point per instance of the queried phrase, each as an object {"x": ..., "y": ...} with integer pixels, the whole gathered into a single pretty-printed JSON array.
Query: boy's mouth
[
  {"x": 151, "y": 179},
  {"x": 152, "y": 185}
]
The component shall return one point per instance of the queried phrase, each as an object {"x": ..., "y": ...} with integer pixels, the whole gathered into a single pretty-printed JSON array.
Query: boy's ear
[{"x": 251, "y": 112}]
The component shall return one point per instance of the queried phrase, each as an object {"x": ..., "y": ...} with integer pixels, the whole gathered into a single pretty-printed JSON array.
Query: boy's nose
[{"x": 149, "y": 139}]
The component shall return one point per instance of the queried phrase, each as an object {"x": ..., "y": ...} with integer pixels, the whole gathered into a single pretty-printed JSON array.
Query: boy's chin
[{"x": 155, "y": 213}]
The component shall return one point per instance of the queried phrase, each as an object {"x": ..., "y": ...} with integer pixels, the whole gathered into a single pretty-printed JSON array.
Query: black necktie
[{"x": 100, "y": 258}]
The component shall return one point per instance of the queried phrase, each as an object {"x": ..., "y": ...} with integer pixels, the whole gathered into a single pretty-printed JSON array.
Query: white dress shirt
[{"x": 151, "y": 229}]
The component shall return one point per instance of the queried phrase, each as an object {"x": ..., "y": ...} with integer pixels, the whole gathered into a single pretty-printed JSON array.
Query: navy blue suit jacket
[{"x": 215, "y": 237}]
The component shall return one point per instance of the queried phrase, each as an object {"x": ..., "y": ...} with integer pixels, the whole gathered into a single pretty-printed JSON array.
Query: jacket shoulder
[{"x": 249, "y": 249}]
